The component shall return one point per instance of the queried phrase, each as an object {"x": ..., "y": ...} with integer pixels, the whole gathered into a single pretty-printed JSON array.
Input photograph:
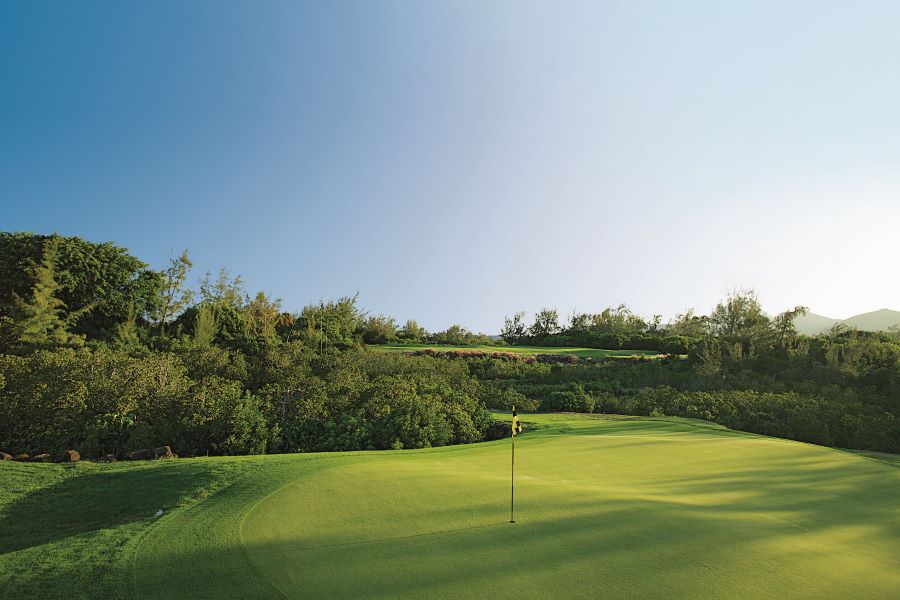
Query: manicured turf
[
  {"x": 606, "y": 507},
  {"x": 528, "y": 350}
]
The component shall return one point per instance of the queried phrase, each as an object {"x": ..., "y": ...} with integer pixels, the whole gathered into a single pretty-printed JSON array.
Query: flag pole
[{"x": 512, "y": 473}]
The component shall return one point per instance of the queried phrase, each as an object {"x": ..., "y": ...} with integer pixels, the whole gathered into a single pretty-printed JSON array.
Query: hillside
[
  {"x": 879, "y": 320},
  {"x": 606, "y": 507},
  {"x": 813, "y": 324}
]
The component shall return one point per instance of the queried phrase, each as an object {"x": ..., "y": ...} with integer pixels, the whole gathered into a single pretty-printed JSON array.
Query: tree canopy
[{"x": 101, "y": 353}]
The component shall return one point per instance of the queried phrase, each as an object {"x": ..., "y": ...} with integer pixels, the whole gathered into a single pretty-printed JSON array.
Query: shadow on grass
[
  {"x": 694, "y": 533},
  {"x": 616, "y": 548},
  {"x": 99, "y": 499}
]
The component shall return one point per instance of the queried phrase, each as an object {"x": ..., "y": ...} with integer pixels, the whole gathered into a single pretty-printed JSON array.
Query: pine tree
[
  {"x": 205, "y": 327},
  {"x": 127, "y": 332},
  {"x": 43, "y": 320}
]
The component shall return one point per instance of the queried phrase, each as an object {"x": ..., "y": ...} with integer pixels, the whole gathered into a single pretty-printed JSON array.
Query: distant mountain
[
  {"x": 879, "y": 320},
  {"x": 812, "y": 324}
]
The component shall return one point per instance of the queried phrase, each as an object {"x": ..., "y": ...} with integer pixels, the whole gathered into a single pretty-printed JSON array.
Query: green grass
[
  {"x": 891, "y": 459},
  {"x": 606, "y": 507},
  {"x": 527, "y": 350}
]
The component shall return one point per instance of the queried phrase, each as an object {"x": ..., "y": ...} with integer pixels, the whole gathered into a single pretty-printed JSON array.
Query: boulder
[
  {"x": 68, "y": 456},
  {"x": 5, "y": 456},
  {"x": 164, "y": 452},
  {"x": 107, "y": 458},
  {"x": 140, "y": 455},
  {"x": 150, "y": 454},
  {"x": 40, "y": 458},
  {"x": 22, "y": 457}
]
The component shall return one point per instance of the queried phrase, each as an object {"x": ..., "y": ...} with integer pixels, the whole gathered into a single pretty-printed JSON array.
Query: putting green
[{"x": 606, "y": 507}]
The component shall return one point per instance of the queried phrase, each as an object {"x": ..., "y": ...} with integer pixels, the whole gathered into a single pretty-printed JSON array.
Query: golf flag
[
  {"x": 516, "y": 424},
  {"x": 516, "y": 428}
]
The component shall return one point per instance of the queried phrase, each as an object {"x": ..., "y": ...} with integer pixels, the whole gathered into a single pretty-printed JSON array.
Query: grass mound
[{"x": 606, "y": 507}]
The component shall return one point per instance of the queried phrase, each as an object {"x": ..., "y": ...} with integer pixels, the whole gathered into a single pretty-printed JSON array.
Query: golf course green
[
  {"x": 524, "y": 350},
  {"x": 606, "y": 507}
]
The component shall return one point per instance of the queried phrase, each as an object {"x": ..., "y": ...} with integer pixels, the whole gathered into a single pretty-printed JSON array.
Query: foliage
[
  {"x": 380, "y": 329},
  {"x": 546, "y": 323},
  {"x": 457, "y": 335},
  {"x": 205, "y": 327},
  {"x": 105, "y": 355},
  {"x": 204, "y": 399},
  {"x": 412, "y": 332},
  {"x": 787, "y": 415},
  {"x": 101, "y": 277},
  {"x": 175, "y": 296},
  {"x": 42, "y": 320}
]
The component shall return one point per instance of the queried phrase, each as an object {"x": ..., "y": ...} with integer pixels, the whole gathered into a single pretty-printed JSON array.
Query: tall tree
[
  {"x": 514, "y": 328},
  {"x": 175, "y": 295},
  {"x": 224, "y": 290},
  {"x": 412, "y": 331},
  {"x": 43, "y": 319},
  {"x": 127, "y": 331},
  {"x": 546, "y": 323},
  {"x": 785, "y": 331},
  {"x": 617, "y": 319},
  {"x": 330, "y": 325},
  {"x": 205, "y": 327},
  {"x": 739, "y": 319},
  {"x": 689, "y": 324},
  {"x": 379, "y": 329},
  {"x": 579, "y": 322},
  {"x": 262, "y": 315},
  {"x": 102, "y": 276}
]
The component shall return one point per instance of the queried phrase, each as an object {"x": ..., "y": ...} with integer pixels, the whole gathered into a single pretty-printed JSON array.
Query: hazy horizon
[{"x": 457, "y": 162}]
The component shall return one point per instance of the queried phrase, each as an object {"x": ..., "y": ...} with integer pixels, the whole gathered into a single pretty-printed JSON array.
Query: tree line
[
  {"x": 614, "y": 328},
  {"x": 101, "y": 353}
]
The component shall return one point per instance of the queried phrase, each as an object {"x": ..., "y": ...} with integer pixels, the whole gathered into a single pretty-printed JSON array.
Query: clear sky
[{"x": 458, "y": 161}]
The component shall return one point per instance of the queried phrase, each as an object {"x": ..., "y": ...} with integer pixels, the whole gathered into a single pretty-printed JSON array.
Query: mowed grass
[
  {"x": 527, "y": 350},
  {"x": 606, "y": 507}
]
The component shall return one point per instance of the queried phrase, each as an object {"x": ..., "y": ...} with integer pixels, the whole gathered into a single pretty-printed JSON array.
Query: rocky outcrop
[
  {"x": 152, "y": 454},
  {"x": 67, "y": 456},
  {"x": 140, "y": 455},
  {"x": 164, "y": 452}
]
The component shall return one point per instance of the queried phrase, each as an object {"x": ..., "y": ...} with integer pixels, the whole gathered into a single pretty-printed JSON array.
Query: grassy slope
[
  {"x": 70, "y": 531},
  {"x": 626, "y": 507},
  {"x": 582, "y": 352}
]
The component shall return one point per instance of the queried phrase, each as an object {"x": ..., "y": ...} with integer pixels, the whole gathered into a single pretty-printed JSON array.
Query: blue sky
[{"x": 459, "y": 161}]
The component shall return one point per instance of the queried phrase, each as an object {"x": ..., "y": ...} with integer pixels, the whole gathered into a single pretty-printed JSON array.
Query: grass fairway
[
  {"x": 606, "y": 507},
  {"x": 527, "y": 350}
]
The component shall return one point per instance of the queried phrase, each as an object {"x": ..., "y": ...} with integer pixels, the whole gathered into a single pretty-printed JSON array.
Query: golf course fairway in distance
[
  {"x": 606, "y": 507},
  {"x": 523, "y": 350}
]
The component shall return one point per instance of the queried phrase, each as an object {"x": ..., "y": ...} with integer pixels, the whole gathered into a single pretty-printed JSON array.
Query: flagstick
[{"x": 512, "y": 486}]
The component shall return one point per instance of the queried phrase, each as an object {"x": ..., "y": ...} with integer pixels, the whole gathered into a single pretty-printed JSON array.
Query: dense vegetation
[
  {"x": 207, "y": 370},
  {"x": 103, "y": 354},
  {"x": 745, "y": 371}
]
